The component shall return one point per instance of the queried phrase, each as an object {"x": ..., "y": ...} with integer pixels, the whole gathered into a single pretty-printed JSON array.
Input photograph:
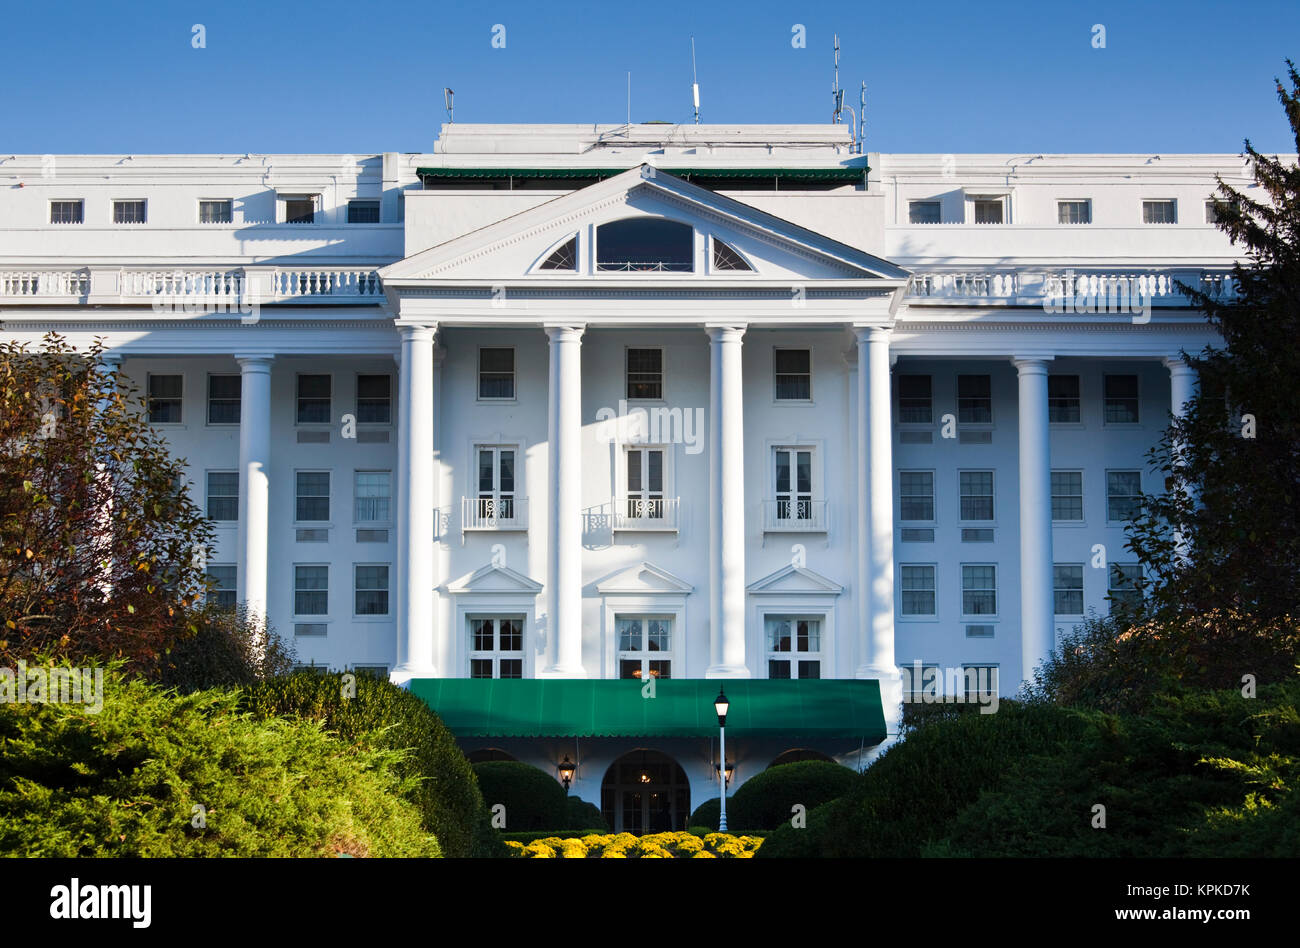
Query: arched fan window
[
  {"x": 639, "y": 244},
  {"x": 564, "y": 257},
  {"x": 724, "y": 258}
]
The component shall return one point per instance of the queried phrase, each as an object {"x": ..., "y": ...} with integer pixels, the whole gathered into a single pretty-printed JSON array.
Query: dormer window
[
  {"x": 645, "y": 244},
  {"x": 564, "y": 257},
  {"x": 724, "y": 258}
]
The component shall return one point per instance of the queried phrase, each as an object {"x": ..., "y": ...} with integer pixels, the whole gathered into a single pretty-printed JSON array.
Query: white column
[
  {"x": 1182, "y": 389},
  {"x": 726, "y": 505},
  {"x": 254, "y": 478},
  {"x": 415, "y": 504},
  {"x": 564, "y": 503},
  {"x": 1037, "y": 615}
]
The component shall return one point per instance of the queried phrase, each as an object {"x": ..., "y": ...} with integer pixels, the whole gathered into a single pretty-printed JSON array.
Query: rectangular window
[
  {"x": 313, "y": 496},
  {"x": 1121, "y": 399},
  {"x": 974, "y": 400},
  {"x": 222, "y": 595},
  {"x": 496, "y": 483},
  {"x": 645, "y": 373},
  {"x": 496, "y": 373},
  {"x": 216, "y": 212},
  {"x": 363, "y": 212},
  {"x": 128, "y": 212},
  {"x": 794, "y": 499},
  {"x": 645, "y": 483},
  {"x": 1211, "y": 215},
  {"x": 916, "y": 495},
  {"x": 372, "y": 496},
  {"x": 923, "y": 212},
  {"x": 979, "y": 590},
  {"x": 299, "y": 208},
  {"x": 496, "y": 647},
  {"x": 980, "y": 680},
  {"x": 1122, "y": 586},
  {"x": 1067, "y": 495},
  {"x": 311, "y": 590},
  {"x": 1160, "y": 212},
  {"x": 794, "y": 647},
  {"x": 223, "y": 495},
  {"x": 224, "y": 392},
  {"x": 1123, "y": 490},
  {"x": 988, "y": 210},
  {"x": 66, "y": 212},
  {"x": 165, "y": 399},
  {"x": 1067, "y": 589},
  {"x": 915, "y": 400},
  {"x": 918, "y": 590},
  {"x": 1074, "y": 212},
  {"x": 645, "y": 645},
  {"x": 1063, "y": 399},
  {"x": 371, "y": 590},
  {"x": 976, "y": 495},
  {"x": 314, "y": 399},
  {"x": 374, "y": 399},
  {"x": 793, "y": 374}
]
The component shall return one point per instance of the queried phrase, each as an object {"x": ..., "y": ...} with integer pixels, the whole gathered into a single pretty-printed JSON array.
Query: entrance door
[{"x": 645, "y": 792}]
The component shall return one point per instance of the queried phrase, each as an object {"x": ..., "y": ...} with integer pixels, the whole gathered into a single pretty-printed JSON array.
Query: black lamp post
[
  {"x": 566, "y": 769},
  {"x": 720, "y": 705}
]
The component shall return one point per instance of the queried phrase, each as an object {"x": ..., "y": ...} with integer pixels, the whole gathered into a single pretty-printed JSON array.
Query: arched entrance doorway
[{"x": 645, "y": 792}]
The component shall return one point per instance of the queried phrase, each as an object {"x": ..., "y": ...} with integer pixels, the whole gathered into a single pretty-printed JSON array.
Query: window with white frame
[
  {"x": 974, "y": 400},
  {"x": 496, "y": 373},
  {"x": 129, "y": 212},
  {"x": 222, "y": 593},
  {"x": 165, "y": 399},
  {"x": 372, "y": 493},
  {"x": 645, "y": 374},
  {"x": 67, "y": 212},
  {"x": 311, "y": 586},
  {"x": 794, "y": 483},
  {"x": 1074, "y": 212},
  {"x": 794, "y": 645},
  {"x": 980, "y": 680},
  {"x": 223, "y": 495},
  {"x": 918, "y": 589},
  {"x": 645, "y": 483},
  {"x": 988, "y": 209},
  {"x": 1160, "y": 212},
  {"x": 224, "y": 394},
  {"x": 1121, "y": 399},
  {"x": 314, "y": 399},
  {"x": 496, "y": 482},
  {"x": 496, "y": 645},
  {"x": 916, "y": 495},
  {"x": 298, "y": 208},
  {"x": 216, "y": 212},
  {"x": 915, "y": 400},
  {"x": 793, "y": 374},
  {"x": 1063, "y": 401},
  {"x": 979, "y": 589},
  {"x": 922, "y": 682},
  {"x": 1122, "y": 586},
  {"x": 923, "y": 212},
  {"x": 1123, "y": 492},
  {"x": 363, "y": 212},
  {"x": 976, "y": 494},
  {"x": 312, "y": 496},
  {"x": 645, "y": 645},
  {"x": 370, "y": 589},
  {"x": 374, "y": 399},
  {"x": 1067, "y": 495},
  {"x": 1067, "y": 589}
]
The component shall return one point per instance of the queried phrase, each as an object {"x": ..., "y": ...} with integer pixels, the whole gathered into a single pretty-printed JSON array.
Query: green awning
[
  {"x": 562, "y": 707},
  {"x": 813, "y": 175}
]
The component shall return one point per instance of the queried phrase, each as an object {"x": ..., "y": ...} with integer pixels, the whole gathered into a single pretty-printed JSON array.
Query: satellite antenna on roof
[
  {"x": 447, "y": 97},
  {"x": 695, "y": 83}
]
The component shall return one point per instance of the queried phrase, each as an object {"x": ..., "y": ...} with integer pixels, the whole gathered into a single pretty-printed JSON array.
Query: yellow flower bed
[{"x": 653, "y": 846}]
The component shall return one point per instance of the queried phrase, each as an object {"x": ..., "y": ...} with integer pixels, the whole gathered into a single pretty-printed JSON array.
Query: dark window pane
[
  {"x": 363, "y": 212},
  {"x": 645, "y": 243}
]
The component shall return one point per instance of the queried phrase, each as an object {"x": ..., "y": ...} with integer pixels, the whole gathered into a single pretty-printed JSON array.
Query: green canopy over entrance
[{"x": 562, "y": 707}]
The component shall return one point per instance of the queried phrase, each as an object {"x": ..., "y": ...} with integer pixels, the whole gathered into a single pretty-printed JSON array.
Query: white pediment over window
[
  {"x": 644, "y": 579},
  {"x": 795, "y": 581},
  {"x": 497, "y": 580}
]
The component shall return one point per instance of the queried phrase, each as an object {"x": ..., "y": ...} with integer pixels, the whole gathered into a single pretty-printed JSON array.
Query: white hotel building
[{"x": 579, "y": 404}]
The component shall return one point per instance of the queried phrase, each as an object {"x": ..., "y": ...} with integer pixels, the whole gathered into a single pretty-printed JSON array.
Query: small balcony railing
[
  {"x": 791, "y": 515},
  {"x": 507, "y": 512},
  {"x": 646, "y": 513}
]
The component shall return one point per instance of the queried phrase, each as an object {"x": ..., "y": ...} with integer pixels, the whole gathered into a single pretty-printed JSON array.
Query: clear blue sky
[{"x": 942, "y": 76}]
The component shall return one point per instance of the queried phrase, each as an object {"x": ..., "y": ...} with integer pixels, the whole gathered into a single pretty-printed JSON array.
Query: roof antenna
[
  {"x": 629, "y": 104},
  {"x": 837, "y": 94},
  {"x": 447, "y": 97},
  {"x": 695, "y": 83},
  {"x": 862, "y": 120}
]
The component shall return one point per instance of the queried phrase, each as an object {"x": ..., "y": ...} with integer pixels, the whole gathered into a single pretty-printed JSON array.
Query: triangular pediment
[
  {"x": 498, "y": 580},
  {"x": 513, "y": 249},
  {"x": 643, "y": 579},
  {"x": 795, "y": 580}
]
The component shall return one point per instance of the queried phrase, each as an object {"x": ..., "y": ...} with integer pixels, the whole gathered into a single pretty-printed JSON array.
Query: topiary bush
[
  {"x": 766, "y": 800},
  {"x": 581, "y": 815},
  {"x": 534, "y": 800},
  {"x": 374, "y": 712},
  {"x": 708, "y": 814},
  {"x": 128, "y": 781}
]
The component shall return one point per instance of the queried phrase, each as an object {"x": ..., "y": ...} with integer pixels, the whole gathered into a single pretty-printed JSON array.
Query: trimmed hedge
[
  {"x": 708, "y": 813},
  {"x": 766, "y": 800},
  {"x": 534, "y": 800},
  {"x": 127, "y": 781},
  {"x": 581, "y": 815},
  {"x": 382, "y": 715}
]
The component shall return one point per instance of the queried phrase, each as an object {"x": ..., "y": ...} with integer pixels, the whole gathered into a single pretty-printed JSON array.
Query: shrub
[
  {"x": 581, "y": 815},
  {"x": 126, "y": 782},
  {"x": 765, "y": 801},
  {"x": 534, "y": 800},
  {"x": 708, "y": 813},
  {"x": 228, "y": 650},
  {"x": 376, "y": 713}
]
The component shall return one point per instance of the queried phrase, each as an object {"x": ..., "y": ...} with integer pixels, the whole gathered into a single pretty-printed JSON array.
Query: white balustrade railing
[
  {"x": 793, "y": 515},
  {"x": 30, "y": 283},
  {"x": 503, "y": 512},
  {"x": 260, "y": 284},
  {"x": 646, "y": 513},
  {"x": 1120, "y": 286}
]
